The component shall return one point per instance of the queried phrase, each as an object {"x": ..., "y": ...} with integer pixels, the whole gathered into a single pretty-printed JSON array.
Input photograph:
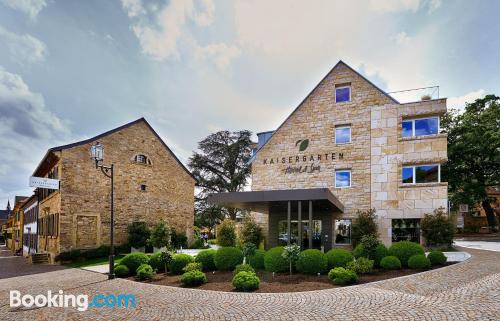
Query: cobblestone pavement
[
  {"x": 11, "y": 266},
  {"x": 464, "y": 291}
]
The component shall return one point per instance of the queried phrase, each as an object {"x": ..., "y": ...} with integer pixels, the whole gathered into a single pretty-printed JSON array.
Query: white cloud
[
  {"x": 434, "y": 5},
  {"x": 29, "y": 7},
  {"x": 394, "y": 5},
  {"x": 23, "y": 47},
  {"x": 402, "y": 38},
  {"x": 133, "y": 8},
  {"x": 220, "y": 53},
  {"x": 460, "y": 102},
  {"x": 205, "y": 17}
]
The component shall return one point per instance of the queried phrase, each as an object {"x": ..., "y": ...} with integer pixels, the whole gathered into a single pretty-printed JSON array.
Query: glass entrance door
[{"x": 294, "y": 231}]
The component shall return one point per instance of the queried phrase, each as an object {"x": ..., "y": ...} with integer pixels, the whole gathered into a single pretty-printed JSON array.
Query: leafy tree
[
  {"x": 364, "y": 224},
  {"x": 250, "y": 231},
  {"x": 221, "y": 165},
  {"x": 291, "y": 254},
  {"x": 438, "y": 228},
  {"x": 248, "y": 249},
  {"x": 474, "y": 153},
  {"x": 206, "y": 215},
  {"x": 165, "y": 259},
  {"x": 138, "y": 234},
  {"x": 160, "y": 235},
  {"x": 226, "y": 233}
]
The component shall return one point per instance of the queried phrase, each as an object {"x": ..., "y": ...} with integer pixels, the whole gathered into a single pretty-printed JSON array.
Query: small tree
[
  {"x": 226, "y": 233},
  {"x": 248, "y": 250},
  {"x": 291, "y": 253},
  {"x": 364, "y": 224},
  {"x": 165, "y": 259},
  {"x": 138, "y": 234},
  {"x": 160, "y": 235},
  {"x": 250, "y": 231},
  {"x": 438, "y": 229}
]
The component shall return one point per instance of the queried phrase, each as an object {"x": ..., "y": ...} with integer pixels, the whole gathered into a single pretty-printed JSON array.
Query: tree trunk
[
  {"x": 232, "y": 213},
  {"x": 490, "y": 214}
]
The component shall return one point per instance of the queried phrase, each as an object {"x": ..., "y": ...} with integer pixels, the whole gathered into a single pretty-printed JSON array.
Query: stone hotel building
[
  {"x": 150, "y": 184},
  {"x": 348, "y": 146}
]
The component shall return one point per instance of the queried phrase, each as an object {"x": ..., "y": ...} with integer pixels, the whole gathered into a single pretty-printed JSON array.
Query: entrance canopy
[{"x": 323, "y": 199}]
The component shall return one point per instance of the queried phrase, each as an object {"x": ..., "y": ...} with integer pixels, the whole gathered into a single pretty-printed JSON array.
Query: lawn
[{"x": 93, "y": 262}]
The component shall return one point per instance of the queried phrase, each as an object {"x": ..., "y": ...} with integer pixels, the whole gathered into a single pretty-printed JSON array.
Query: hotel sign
[
  {"x": 43, "y": 182},
  {"x": 303, "y": 163}
]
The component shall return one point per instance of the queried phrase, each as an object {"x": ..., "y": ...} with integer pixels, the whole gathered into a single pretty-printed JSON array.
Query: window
[
  {"x": 342, "y": 135},
  {"x": 343, "y": 231},
  {"x": 342, "y": 94},
  {"x": 343, "y": 179},
  {"x": 406, "y": 230},
  {"x": 421, "y": 174},
  {"x": 141, "y": 159},
  {"x": 420, "y": 127},
  {"x": 294, "y": 233},
  {"x": 143, "y": 187}
]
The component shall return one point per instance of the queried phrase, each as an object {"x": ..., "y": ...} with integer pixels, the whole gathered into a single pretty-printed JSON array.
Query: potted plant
[{"x": 138, "y": 235}]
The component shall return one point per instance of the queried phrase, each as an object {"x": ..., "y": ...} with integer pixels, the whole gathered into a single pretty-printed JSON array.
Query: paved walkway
[
  {"x": 11, "y": 266},
  {"x": 480, "y": 245},
  {"x": 464, "y": 291}
]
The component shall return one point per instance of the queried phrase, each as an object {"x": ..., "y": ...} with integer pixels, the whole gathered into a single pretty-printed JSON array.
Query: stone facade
[
  {"x": 374, "y": 156},
  {"x": 160, "y": 188}
]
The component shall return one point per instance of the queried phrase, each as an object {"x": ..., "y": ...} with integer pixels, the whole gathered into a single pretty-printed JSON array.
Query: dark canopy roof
[{"x": 257, "y": 199}]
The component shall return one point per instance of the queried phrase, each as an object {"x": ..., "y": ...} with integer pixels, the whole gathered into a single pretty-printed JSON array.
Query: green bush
[
  {"x": 178, "y": 240},
  {"x": 243, "y": 267},
  {"x": 246, "y": 281},
  {"x": 361, "y": 265},
  {"x": 72, "y": 255},
  {"x": 274, "y": 261},
  {"x": 155, "y": 262},
  {"x": 121, "y": 271},
  {"x": 101, "y": 251},
  {"x": 198, "y": 244},
  {"x": 437, "y": 258},
  {"x": 227, "y": 258},
  {"x": 371, "y": 248},
  {"x": 341, "y": 276},
  {"x": 338, "y": 258},
  {"x": 363, "y": 224},
  {"x": 160, "y": 235},
  {"x": 122, "y": 249},
  {"x": 226, "y": 233},
  {"x": 312, "y": 261},
  {"x": 134, "y": 260},
  {"x": 138, "y": 234},
  {"x": 179, "y": 261},
  {"x": 250, "y": 231},
  {"x": 390, "y": 263},
  {"x": 257, "y": 260},
  {"x": 193, "y": 278},
  {"x": 145, "y": 272},
  {"x": 193, "y": 266},
  {"x": 438, "y": 229},
  {"x": 381, "y": 251},
  {"x": 419, "y": 261},
  {"x": 206, "y": 258},
  {"x": 403, "y": 250}
]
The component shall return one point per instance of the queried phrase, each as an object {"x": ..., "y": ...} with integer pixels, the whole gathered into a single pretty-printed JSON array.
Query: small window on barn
[{"x": 142, "y": 159}]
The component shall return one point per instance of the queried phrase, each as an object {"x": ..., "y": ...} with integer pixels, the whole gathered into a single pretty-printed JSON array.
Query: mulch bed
[{"x": 281, "y": 282}]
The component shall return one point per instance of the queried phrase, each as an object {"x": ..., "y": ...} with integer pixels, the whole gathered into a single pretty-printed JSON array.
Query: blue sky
[{"x": 72, "y": 69}]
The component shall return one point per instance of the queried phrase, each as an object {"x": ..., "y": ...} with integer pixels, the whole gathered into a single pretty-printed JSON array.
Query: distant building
[
  {"x": 4, "y": 216},
  {"x": 17, "y": 224},
  {"x": 150, "y": 184},
  {"x": 30, "y": 223}
]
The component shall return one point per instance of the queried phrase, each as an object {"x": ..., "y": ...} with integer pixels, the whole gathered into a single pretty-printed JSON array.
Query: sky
[{"x": 72, "y": 69}]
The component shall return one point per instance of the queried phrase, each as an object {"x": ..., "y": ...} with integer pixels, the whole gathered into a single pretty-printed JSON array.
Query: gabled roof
[
  {"x": 4, "y": 214},
  {"x": 340, "y": 62},
  {"x": 86, "y": 141}
]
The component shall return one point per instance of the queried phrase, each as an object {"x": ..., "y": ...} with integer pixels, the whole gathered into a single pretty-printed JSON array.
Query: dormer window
[
  {"x": 342, "y": 93},
  {"x": 142, "y": 159}
]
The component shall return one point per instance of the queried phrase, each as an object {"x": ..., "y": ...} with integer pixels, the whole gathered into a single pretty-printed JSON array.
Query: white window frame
[
  {"x": 350, "y": 134},
  {"x": 335, "y": 230},
  {"x": 419, "y": 118},
  {"x": 414, "y": 174},
  {"x": 342, "y": 171},
  {"x": 350, "y": 93}
]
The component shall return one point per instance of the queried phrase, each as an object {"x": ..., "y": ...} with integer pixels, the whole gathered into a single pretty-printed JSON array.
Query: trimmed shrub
[
  {"x": 341, "y": 276},
  {"x": 243, "y": 267},
  {"x": 145, "y": 272},
  {"x": 390, "y": 263},
  {"x": 193, "y": 266},
  {"x": 250, "y": 231},
  {"x": 371, "y": 248},
  {"x": 226, "y": 233},
  {"x": 193, "y": 278},
  {"x": 338, "y": 258},
  {"x": 438, "y": 229},
  {"x": 312, "y": 261},
  {"x": 437, "y": 258},
  {"x": 274, "y": 261},
  {"x": 155, "y": 262},
  {"x": 257, "y": 260},
  {"x": 198, "y": 244},
  {"x": 178, "y": 240},
  {"x": 101, "y": 251},
  {"x": 363, "y": 224},
  {"x": 381, "y": 251},
  {"x": 138, "y": 234},
  {"x": 227, "y": 258},
  {"x": 246, "y": 281},
  {"x": 419, "y": 261},
  {"x": 403, "y": 250},
  {"x": 179, "y": 261},
  {"x": 206, "y": 258},
  {"x": 121, "y": 271},
  {"x": 361, "y": 265},
  {"x": 160, "y": 235},
  {"x": 134, "y": 260}
]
